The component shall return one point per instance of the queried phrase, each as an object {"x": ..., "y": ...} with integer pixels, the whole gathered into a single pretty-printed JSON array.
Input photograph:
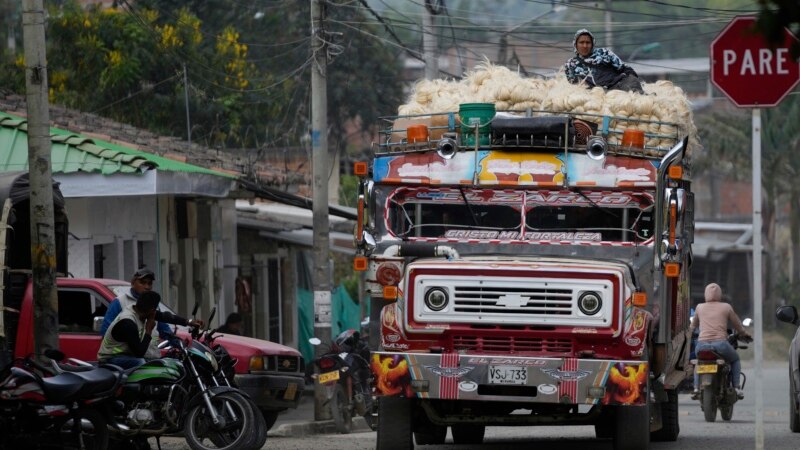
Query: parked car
[
  {"x": 788, "y": 314},
  {"x": 272, "y": 374}
]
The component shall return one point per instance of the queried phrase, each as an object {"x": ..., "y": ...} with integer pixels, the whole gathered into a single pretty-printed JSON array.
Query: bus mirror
[
  {"x": 368, "y": 240},
  {"x": 365, "y": 242}
]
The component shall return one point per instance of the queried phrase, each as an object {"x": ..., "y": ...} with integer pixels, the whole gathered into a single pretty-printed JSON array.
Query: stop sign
[{"x": 747, "y": 70}]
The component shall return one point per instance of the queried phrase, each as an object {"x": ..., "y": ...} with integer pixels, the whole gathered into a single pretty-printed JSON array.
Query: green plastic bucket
[{"x": 472, "y": 114}]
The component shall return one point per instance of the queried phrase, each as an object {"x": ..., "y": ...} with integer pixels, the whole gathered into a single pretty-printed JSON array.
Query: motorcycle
[
  {"x": 716, "y": 384},
  {"x": 344, "y": 372},
  {"x": 223, "y": 376},
  {"x": 171, "y": 395},
  {"x": 57, "y": 410}
]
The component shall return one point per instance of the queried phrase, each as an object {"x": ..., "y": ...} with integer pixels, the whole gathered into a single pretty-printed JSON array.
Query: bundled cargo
[{"x": 662, "y": 113}]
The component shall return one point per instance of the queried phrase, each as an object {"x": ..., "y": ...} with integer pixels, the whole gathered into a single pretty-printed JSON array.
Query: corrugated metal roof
[{"x": 73, "y": 152}]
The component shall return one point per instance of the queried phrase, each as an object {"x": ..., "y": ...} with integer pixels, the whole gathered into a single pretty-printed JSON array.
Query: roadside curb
[{"x": 294, "y": 429}]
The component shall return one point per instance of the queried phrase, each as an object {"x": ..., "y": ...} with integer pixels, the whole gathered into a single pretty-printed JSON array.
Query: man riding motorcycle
[{"x": 712, "y": 318}]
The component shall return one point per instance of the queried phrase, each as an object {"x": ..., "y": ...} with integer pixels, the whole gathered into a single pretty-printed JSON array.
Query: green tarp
[{"x": 345, "y": 314}]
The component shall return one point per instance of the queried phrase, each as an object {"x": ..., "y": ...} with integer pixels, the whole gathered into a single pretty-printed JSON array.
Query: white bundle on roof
[{"x": 663, "y": 113}]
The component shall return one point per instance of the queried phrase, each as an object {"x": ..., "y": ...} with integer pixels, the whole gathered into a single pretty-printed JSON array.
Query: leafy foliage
[
  {"x": 247, "y": 64},
  {"x": 775, "y": 15}
]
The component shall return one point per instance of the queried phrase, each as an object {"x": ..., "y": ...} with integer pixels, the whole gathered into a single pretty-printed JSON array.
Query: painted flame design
[
  {"x": 391, "y": 375},
  {"x": 626, "y": 386}
]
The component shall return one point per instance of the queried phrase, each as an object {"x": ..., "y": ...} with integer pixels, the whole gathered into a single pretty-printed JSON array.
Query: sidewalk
[{"x": 300, "y": 421}]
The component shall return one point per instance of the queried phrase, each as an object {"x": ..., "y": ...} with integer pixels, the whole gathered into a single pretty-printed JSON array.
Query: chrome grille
[
  {"x": 285, "y": 363},
  {"x": 510, "y": 344},
  {"x": 510, "y": 299},
  {"x": 496, "y": 299}
]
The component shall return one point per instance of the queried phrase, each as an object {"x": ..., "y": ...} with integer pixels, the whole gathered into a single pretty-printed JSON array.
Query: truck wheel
[
  {"x": 394, "y": 424},
  {"x": 794, "y": 415},
  {"x": 709, "y": 403},
  {"x": 669, "y": 419},
  {"x": 468, "y": 433},
  {"x": 604, "y": 427},
  {"x": 632, "y": 428},
  {"x": 428, "y": 433}
]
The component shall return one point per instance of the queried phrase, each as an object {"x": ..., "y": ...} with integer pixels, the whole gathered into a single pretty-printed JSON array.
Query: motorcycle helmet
[{"x": 346, "y": 341}]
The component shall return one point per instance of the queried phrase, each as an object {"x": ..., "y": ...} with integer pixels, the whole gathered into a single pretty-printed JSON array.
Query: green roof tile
[{"x": 73, "y": 152}]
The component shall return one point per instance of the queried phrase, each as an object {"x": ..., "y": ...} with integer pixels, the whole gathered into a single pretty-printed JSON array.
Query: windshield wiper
[
  {"x": 475, "y": 217},
  {"x": 595, "y": 205}
]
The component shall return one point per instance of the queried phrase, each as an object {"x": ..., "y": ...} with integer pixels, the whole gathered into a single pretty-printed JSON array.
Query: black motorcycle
[
  {"x": 41, "y": 407},
  {"x": 171, "y": 395},
  {"x": 716, "y": 383},
  {"x": 344, "y": 372},
  {"x": 223, "y": 375}
]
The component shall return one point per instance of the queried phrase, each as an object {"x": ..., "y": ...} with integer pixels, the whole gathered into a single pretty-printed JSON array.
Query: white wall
[{"x": 133, "y": 229}]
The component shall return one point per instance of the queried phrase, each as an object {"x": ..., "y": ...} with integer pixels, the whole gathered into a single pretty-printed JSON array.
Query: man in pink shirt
[{"x": 712, "y": 318}]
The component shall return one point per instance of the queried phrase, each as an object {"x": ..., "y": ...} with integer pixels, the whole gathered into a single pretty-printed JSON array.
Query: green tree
[
  {"x": 774, "y": 16},
  {"x": 727, "y": 138},
  {"x": 248, "y": 67}
]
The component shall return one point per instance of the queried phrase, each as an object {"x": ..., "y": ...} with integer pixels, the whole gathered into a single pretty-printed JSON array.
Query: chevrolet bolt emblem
[{"x": 512, "y": 301}]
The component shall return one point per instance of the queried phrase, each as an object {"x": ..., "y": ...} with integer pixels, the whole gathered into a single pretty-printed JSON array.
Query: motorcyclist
[
  {"x": 127, "y": 342},
  {"x": 712, "y": 318}
]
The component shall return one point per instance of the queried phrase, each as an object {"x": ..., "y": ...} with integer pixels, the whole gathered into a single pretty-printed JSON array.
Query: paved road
[{"x": 695, "y": 432}]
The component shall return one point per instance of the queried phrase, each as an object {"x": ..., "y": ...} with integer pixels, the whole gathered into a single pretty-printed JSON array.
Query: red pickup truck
[{"x": 272, "y": 374}]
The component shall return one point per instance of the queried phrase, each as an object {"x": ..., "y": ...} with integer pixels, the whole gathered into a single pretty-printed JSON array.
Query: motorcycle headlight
[
  {"x": 436, "y": 299},
  {"x": 590, "y": 303},
  {"x": 213, "y": 360}
]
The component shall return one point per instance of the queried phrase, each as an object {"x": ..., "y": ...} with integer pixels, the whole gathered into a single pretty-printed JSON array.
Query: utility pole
[
  {"x": 43, "y": 242},
  {"x": 609, "y": 33},
  {"x": 320, "y": 170},
  {"x": 429, "y": 42},
  {"x": 186, "y": 102}
]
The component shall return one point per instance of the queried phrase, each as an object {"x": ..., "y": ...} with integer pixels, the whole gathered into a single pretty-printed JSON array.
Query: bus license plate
[
  {"x": 328, "y": 377},
  {"x": 508, "y": 375},
  {"x": 707, "y": 368}
]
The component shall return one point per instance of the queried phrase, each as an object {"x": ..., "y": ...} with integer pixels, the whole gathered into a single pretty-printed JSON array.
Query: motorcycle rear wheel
[
  {"x": 709, "y": 403},
  {"x": 261, "y": 428},
  {"x": 202, "y": 434},
  {"x": 92, "y": 434},
  {"x": 726, "y": 412},
  {"x": 341, "y": 410}
]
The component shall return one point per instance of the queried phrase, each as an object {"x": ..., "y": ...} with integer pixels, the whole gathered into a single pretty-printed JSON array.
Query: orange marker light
[
  {"x": 640, "y": 299},
  {"x": 673, "y": 221},
  {"x": 676, "y": 172},
  {"x": 672, "y": 270},
  {"x": 390, "y": 292},
  {"x": 360, "y": 263},
  {"x": 360, "y": 218},
  {"x": 360, "y": 168}
]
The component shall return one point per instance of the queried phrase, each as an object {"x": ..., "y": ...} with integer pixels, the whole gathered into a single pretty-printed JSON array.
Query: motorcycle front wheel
[{"x": 234, "y": 430}]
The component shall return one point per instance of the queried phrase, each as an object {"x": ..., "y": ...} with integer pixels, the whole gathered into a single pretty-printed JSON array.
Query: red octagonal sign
[{"x": 747, "y": 70}]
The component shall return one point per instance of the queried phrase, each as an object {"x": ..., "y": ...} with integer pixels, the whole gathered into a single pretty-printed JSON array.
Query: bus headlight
[
  {"x": 590, "y": 303},
  {"x": 436, "y": 299}
]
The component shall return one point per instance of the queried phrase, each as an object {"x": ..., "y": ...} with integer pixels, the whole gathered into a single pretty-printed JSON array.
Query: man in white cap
[{"x": 141, "y": 282}]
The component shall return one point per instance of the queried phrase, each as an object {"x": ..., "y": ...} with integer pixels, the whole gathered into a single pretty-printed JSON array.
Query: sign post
[{"x": 754, "y": 75}]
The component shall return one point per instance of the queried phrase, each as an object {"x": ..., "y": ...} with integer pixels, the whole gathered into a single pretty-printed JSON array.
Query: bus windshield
[{"x": 520, "y": 215}]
